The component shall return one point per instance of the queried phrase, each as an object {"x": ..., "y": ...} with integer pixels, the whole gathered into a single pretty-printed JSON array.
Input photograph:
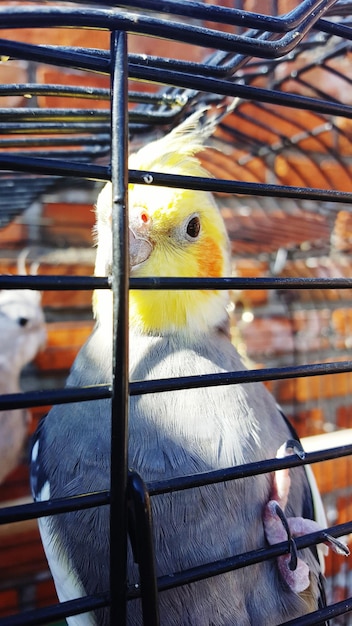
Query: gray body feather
[{"x": 173, "y": 434}]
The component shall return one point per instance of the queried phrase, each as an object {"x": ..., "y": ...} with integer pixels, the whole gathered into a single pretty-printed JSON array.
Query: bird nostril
[{"x": 22, "y": 321}]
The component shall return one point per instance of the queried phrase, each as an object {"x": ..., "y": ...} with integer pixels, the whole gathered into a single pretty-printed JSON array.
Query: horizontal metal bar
[
  {"x": 143, "y": 177},
  {"x": 232, "y": 89},
  {"x": 51, "y": 614},
  {"x": 76, "y": 91},
  {"x": 170, "y": 100},
  {"x": 57, "y": 167},
  {"x": 38, "y": 115},
  {"x": 225, "y": 15},
  {"x": 99, "y": 392},
  {"x": 136, "y": 388},
  {"x": 231, "y": 378},
  {"x": 97, "y": 61},
  {"x": 208, "y": 570},
  {"x": 244, "y": 471},
  {"x": 87, "y": 283},
  {"x": 224, "y": 67},
  {"x": 54, "y": 396},
  {"x": 217, "y": 185},
  {"x": 34, "y": 510},
  {"x": 316, "y": 618},
  {"x": 83, "y": 154},
  {"x": 46, "y": 508},
  {"x": 55, "y": 283},
  {"x": 334, "y": 28},
  {"x": 50, "y": 54},
  {"x": 234, "y": 283},
  {"x": 109, "y": 19},
  {"x": 41, "y": 115},
  {"x": 65, "y": 141},
  {"x": 89, "y": 60},
  {"x": 53, "y": 128},
  {"x": 70, "y": 91}
]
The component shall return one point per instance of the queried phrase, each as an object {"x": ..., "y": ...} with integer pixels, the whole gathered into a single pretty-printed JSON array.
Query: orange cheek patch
[{"x": 211, "y": 261}]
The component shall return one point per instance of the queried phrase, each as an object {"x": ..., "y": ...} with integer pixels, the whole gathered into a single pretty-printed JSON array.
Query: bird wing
[{"x": 70, "y": 456}]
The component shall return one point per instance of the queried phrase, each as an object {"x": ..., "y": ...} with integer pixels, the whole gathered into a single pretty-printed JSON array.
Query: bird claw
[
  {"x": 295, "y": 446},
  {"x": 337, "y": 546},
  {"x": 292, "y": 564},
  {"x": 279, "y": 528}
]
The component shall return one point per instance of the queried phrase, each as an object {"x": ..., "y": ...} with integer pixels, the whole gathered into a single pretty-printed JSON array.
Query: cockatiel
[
  {"x": 23, "y": 335},
  {"x": 173, "y": 232}
]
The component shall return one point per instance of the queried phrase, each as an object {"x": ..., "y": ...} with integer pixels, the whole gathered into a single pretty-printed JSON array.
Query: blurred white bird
[{"x": 23, "y": 334}]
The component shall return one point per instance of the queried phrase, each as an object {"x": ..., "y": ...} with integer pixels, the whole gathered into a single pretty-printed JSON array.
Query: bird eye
[
  {"x": 193, "y": 227},
  {"x": 23, "y": 321}
]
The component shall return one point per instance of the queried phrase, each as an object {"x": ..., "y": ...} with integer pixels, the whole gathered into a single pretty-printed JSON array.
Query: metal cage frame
[{"x": 269, "y": 38}]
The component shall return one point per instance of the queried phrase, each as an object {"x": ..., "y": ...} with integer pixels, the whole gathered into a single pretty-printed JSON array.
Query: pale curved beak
[{"x": 140, "y": 248}]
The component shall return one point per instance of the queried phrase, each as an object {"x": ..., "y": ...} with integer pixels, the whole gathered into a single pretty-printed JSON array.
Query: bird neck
[
  {"x": 189, "y": 313},
  {"x": 181, "y": 312}
]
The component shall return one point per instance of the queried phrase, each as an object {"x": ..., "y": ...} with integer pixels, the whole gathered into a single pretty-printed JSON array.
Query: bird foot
[{"x": 278, "y": 527}]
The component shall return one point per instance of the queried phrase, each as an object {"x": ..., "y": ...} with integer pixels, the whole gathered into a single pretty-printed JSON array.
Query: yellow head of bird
[{"x": 173, "y": 232}]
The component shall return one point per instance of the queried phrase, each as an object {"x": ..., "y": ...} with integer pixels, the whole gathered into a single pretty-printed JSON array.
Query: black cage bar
[{"x": 93, "y": 145}]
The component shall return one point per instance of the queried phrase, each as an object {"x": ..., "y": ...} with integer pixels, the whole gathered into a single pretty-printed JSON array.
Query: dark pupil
[{"x": 193, "y": 227}]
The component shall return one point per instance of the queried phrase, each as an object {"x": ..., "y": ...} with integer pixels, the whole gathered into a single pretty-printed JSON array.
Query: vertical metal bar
[
  {"x": 142, "y": 526},
  {"x": 120, "y": 274}
]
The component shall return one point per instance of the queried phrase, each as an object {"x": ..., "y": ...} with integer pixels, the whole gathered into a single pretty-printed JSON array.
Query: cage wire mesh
[{"x": 281, "y": 162}]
